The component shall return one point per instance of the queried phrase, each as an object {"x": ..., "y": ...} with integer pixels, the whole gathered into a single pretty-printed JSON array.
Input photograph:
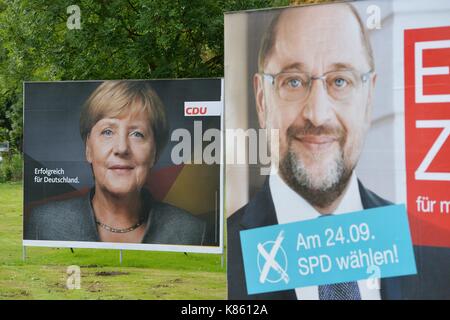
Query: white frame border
[{"x": 144, "y": 246}]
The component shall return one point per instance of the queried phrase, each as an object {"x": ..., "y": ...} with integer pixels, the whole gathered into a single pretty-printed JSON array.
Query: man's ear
[
  {"x": 88, "y": 151},
  {"x": 373, "y": 81},
  {"x": 258, "y": 86}
]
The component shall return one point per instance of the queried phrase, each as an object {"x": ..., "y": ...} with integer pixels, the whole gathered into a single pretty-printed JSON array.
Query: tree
[{"x": 118, "y": 39}]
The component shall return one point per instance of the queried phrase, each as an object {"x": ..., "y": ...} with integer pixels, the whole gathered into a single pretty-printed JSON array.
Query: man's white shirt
[{"x": 290, "y": 207}]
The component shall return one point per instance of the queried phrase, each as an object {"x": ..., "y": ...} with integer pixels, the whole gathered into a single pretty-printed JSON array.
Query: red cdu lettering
[{"x": 193, "y": 111}]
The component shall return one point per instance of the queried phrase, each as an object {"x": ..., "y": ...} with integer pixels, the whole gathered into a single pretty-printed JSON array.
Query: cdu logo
[{"x": 273, "y": 259}]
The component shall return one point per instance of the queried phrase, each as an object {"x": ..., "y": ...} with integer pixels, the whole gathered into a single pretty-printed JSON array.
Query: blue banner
[{"x": 373, "y": 243}]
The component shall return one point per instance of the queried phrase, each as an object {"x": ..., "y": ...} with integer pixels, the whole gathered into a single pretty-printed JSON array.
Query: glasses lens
[
  {"x": 292, "y": 86},
  {"x": 342, "y": 85}
]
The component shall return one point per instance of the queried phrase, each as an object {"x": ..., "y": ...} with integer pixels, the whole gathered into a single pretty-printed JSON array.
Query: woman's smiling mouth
[{"x": 121, "y": 168}]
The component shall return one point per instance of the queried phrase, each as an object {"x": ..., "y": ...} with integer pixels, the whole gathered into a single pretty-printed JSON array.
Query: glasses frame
[{"x": 272, "y": 77}]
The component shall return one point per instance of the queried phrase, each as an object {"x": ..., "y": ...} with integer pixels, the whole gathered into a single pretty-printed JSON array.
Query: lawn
[{"x": 142, "y": 275}]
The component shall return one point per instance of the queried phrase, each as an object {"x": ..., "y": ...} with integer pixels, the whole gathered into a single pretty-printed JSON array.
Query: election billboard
[
  {"x": 124, "y": 164},
  {"x": 342, "y": 113}
]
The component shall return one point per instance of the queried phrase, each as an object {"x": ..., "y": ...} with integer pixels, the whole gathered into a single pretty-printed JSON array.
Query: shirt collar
[{"x": 291, "y": 207}]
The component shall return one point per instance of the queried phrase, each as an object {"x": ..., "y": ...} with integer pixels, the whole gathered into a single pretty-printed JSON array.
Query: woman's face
[{"x": 122, "y": 152}]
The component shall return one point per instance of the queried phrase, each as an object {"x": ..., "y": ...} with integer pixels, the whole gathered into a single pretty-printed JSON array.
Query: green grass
[{"x": 142, "y": 275}]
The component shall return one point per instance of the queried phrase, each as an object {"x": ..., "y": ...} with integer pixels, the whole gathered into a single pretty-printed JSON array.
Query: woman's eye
[
  {"x": 107, "y": 132},
  {"x": 137, "y": 134}
]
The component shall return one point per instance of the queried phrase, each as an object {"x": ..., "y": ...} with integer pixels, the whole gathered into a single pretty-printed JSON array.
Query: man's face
[{"x": 321, "y": 136}]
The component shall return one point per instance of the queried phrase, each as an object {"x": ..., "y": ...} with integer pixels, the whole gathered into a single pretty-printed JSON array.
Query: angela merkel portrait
[{"x": 124, "y": 128}]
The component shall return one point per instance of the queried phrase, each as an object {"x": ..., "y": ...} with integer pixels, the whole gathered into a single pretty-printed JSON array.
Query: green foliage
[
  {"x": 118, "y": 39},
  {"x": 11, "y": 168}
]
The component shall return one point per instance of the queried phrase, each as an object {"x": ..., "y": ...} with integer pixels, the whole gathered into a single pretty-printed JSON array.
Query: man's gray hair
[{"x": 269, "y": 37}]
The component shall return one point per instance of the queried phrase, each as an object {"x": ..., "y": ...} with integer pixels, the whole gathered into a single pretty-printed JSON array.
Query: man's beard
[{"x": 320, "y": 190}]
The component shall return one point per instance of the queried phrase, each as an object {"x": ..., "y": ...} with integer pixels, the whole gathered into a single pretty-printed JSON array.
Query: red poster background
[{"x": 427, "y": 228}]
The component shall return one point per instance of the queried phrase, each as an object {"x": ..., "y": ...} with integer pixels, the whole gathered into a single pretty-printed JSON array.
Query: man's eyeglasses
[{"x": 296, "y": 86}]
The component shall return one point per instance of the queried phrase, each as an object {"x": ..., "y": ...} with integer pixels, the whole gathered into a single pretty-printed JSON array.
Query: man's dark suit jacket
[
  {"x": 432, "y": 280},
  {"x": 74, "y": 220}
]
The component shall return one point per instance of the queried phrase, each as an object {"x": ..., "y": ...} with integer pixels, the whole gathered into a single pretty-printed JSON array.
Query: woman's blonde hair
[{"x": 112, "y": 98}]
